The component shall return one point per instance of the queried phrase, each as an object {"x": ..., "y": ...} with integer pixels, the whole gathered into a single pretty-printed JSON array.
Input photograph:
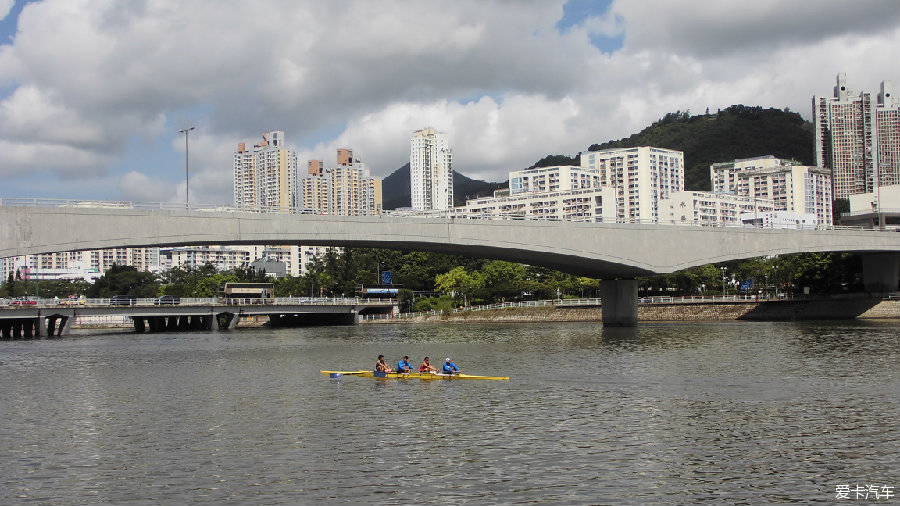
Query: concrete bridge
[
  {"x": 615, "y": 252},
  {"x": 46, "y": 317}
]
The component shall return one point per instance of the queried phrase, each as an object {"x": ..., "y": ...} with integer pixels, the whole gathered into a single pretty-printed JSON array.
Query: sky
[{"x": 93, "y": 93}]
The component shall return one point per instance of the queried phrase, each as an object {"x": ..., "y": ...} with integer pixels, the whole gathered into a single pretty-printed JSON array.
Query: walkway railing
[{"x": 592, "y": 302}]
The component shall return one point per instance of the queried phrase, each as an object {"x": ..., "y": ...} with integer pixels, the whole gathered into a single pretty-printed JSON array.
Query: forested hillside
[{"x": 736, "y": 132}]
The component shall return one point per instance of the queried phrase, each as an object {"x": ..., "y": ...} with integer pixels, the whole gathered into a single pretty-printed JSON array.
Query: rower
[
  {"x": 427, "y": 367},
  {"x": 381, "y": 366},
  {"x": 450, "y": 367},
  {"x": 404, "y": 366}
]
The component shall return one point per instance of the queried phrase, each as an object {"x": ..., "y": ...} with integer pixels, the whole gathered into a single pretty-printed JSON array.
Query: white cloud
[
  {"x": 139, "y": 187},
  {"x": 84, "y": 78},
  {"x": 5, "y": 7}
]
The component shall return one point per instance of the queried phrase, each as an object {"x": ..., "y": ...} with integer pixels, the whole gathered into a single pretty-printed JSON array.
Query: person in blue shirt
[
  {"x": 450, "y": 367},
  {"x": 404, "y": 366}
]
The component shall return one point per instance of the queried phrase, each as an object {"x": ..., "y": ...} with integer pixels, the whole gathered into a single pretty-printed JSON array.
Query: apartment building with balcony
[
  {"x": 347, "y": 189},
  {"x": 265, "y": 176},
  {"x": 595, "y": 204},
  {"x": 791, "y": 186},
  {"x": 641, "y": 177},
  {"x": 430, "y": 170},
  {"x": 858, "y": 138}
]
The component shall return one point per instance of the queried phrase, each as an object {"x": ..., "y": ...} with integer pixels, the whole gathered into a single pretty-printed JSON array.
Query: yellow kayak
[{"x": 411, "y": 375}]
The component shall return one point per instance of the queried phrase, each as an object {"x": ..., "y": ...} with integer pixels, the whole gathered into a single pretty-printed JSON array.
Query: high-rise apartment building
[
  {"x": 858, "y": 139},
  {"x": 345, "y": 190},
  {"x": 790, "y": 185},
  {"x": 641, "y": 176},
  {"x": 265, "y": 177},
  {"x": 430, "y": 170}
]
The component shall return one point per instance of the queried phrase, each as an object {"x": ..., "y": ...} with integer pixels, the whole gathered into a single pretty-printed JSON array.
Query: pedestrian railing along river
[{"x": 587, "y": 302}]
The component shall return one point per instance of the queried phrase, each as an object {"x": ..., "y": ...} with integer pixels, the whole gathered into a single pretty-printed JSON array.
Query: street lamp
[
  {"x": 187, "y": 190},
  {"x": 723, "y": 279}
]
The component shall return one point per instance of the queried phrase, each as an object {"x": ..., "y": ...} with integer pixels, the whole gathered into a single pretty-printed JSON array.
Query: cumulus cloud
[
  {"x": 506, "y": 84},
  {"x": 5, "y": 7},
  {"x": 140, "y": 187}
]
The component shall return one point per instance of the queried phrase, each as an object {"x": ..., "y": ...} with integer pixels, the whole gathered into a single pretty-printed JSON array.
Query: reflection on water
[{"x": 661, "y": 414}]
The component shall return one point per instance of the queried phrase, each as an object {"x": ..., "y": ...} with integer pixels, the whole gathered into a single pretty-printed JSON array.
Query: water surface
[{"x": 741, "y": 413}]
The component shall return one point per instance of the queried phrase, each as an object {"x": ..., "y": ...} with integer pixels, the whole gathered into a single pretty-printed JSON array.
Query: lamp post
[
  {"x": 187, "y": 190},
  {"x": 723, "y": 279}
]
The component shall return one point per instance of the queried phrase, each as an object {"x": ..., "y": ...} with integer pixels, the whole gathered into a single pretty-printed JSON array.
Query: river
[{"x": 737, "y": 413}]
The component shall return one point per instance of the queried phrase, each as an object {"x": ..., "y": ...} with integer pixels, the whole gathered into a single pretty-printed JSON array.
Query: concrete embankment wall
[{"x": 782, "y": 310}]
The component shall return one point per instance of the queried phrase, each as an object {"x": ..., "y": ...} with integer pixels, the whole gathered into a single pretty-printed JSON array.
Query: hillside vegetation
[{"x": 736, "y": 132}]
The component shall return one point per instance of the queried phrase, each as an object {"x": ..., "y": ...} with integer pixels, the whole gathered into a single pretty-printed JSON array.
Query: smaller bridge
[{"x": 48, "y": 317}]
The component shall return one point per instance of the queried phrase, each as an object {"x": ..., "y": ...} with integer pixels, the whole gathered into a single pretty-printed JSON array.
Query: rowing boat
[{"x": 411, "y": 375}]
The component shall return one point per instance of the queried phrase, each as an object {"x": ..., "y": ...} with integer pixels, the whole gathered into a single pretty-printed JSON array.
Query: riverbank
[{"x": 766, "y": 310}]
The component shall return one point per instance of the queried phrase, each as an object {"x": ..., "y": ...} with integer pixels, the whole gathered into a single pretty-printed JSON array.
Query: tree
[
  {"x": 124, "y": 280},
  {"x": 209, "y": 287},
  {"x": 457, "y": 281},
  {"x": 503, "y": 280}
]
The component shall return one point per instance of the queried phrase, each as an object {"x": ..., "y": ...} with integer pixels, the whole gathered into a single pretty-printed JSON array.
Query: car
[
  {"x": 72, "y": 300},
  {"x": 168, "y": 300},
  {"x": 123, "y": 300},
  {"x": 23, "y": 301}
]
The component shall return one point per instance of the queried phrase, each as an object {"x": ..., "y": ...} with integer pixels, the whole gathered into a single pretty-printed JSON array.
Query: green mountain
[{"x": 737, "y": 132}]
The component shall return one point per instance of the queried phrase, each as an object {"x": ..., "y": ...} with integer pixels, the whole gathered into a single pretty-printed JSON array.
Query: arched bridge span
[
  {"x": 604, "y": 250},
  {"x": 615, "y": 252}
]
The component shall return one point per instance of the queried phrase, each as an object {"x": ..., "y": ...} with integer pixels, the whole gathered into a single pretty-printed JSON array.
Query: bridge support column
[
  {"x": 619, "y": 302},
  {"x": 40, "y": 327},
  {"x": 65, "y": 325},
  {"x": 881, "y": 272},
  {"x": 139, "y": 325}
]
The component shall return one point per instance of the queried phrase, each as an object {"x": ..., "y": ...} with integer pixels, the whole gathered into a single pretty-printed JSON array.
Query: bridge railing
[
  {"x": 446, "y": 214},
  {"x": 48, "y": 302}
]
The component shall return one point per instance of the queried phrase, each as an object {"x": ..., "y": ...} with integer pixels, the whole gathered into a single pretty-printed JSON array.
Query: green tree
[
  {"x": 457, "y": 281},
  {"x": 502, "y": 280},
  {"x": 124, "y": 280},
  {"x": 209, "y": 287}
]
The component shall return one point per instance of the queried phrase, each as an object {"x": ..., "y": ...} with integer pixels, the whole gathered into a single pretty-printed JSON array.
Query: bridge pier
[
  {"x": 619, "y": 298},
  {"x": 881, "y": 272},
  {"x": 40, "y": 326}
]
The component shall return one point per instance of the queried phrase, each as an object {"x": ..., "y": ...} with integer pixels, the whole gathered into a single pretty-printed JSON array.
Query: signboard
[
  {"x": 381, "y": 291},
  {"x": 746, "y": 284},
  {"x": 386, "y": 277}
]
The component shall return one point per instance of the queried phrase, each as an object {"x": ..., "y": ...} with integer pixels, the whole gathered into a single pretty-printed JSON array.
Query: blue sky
[{"x": 92, "y": 96}]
